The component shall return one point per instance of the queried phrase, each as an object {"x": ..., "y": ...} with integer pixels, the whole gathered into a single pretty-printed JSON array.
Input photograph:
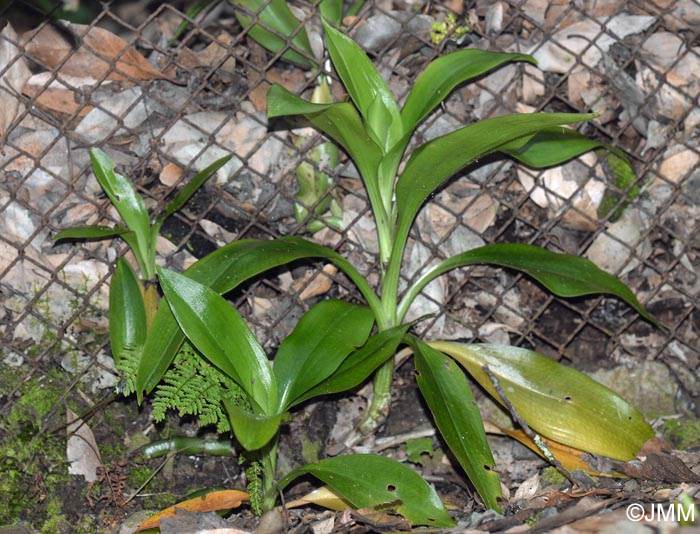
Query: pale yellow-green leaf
[{"x": 555, "y": 400}]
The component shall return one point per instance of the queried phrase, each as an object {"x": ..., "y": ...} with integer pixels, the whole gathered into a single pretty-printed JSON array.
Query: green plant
[
  {"x": 132, "y": 300},
  {"x": 315, "y": 185},
  {"x": 375, "y": 133},
  {"x": 317, "y": 357},
  {"x": 273, "y": 25}
]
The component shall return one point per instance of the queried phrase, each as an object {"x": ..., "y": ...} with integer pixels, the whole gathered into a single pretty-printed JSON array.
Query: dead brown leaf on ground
[{"x": 95, "y": 51}]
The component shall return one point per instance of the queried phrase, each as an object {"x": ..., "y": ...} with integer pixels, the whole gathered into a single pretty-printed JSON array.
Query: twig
[
  {"x": 526, "y": 428},
  {"x": 392, "y": 441}
]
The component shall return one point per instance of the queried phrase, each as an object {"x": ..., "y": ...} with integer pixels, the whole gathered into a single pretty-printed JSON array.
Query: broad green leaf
[
  {"x": 276, "y": 25},
  {"x": 372, "y": 481},
  {"x": 321, "y": 340},
  {"x": 445, "y": 73},
  {"x": 435, "y": 162},
  {"x": 128, "y": 203},
  {"x": 332, "y": 10},
  {"x": 361, "y": 363},
  {"x": 366, "y": 87},
  {"x": 90, "y": 232},
  {"x": 552, "y": 146},
  {"x": 556, "y": 401},
  {"x": 191, "y": 188},
  {"x": 563, "y": 274},
  {"x": 253, "y": 431},
  {"x": 338, "y": 121},
  {"x": 222, "y": 336},
  {"x": 449, "y": 397},
  {"x": 341, "y": 123},
  {"x": 127, "y": 313},
  {"x": 223, "y": 270}
]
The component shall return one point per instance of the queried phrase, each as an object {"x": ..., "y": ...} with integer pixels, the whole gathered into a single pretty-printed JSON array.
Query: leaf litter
[{"x": 125, "y": 109}]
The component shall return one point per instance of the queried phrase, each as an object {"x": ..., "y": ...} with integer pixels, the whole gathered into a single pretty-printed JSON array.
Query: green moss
[
  {"x": 138, "y": 476},
  {"x": 684, "y": 433},
  {"x": 552, "y": 477},
  {"x": 309, "y": 450}
]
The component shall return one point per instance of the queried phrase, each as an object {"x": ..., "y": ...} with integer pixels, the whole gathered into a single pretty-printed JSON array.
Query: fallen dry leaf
[
  {"x": 57, "y": 95},
  {"x": 98, "y": 52},
  {"x": 569, "y": 457},
  {"x": 323, "y": 496},
  {"x": 81, "y": 450},
  {"x": 15, "y": 75},
  {"x": 211, "y": 502}
]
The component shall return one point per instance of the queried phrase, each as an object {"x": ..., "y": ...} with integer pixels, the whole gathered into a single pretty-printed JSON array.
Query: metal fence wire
[{"x": 165, "y": 108}]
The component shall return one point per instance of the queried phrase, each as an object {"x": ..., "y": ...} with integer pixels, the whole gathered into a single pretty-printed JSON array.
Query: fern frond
[
  {"x": 127, "y": 367},
  {"x": 192, "y": 386}
]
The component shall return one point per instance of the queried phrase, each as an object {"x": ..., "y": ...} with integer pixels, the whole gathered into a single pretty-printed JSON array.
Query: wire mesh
[{"x": 161, "y": 126}]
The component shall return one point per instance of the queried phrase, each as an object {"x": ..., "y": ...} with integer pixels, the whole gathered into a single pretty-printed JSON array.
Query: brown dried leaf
[
  {"x": 211, "y": 502},
  {"x": 659, "y": 468},
  {"x": 218, "y": 52},
  {"x": 15, "y": 75},
  {"x": 99, "y": 53},
  {"x": 57, "y": 96}
]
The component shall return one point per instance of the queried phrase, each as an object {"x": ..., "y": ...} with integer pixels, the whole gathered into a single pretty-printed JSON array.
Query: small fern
[
  {"x": 192, "y": 386},
  {"x": 254, "y": 476},
  {"x": 127, "y": 366}
]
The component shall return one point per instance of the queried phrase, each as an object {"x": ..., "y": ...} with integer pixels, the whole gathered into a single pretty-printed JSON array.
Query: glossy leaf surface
[
  {"x": 434, "y": 162},
  {"x": 277, "y": 24},
  {"x": 552, "y": 146},
  {"x": 372, "y": 481},
  {"x": 223, "y": 270},
  {"x": 366, "y": 87},
  {"x": 563, "y": 274},
  {"x": 446, "y": 390},
  {"x": 253, "y": 431},
  {"x": 360, "y": 364},
  {"x": 338, "y": 121},
  {"x": 90, "y": 232},
  {"x": 557, "y": 401},
  {"x": 445, "y": 73},
  {"x": 127, "y": 312},
  {"x": 128, "y": 203},
  {"x": 222, "y": 336},
  {"x": 321, "y": 340}
]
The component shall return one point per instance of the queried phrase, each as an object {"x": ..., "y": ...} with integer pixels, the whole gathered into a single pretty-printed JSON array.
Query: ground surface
[{"x": 638, "y": 63}]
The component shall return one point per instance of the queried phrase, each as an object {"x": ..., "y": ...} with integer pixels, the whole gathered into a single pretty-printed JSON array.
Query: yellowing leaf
[
  {"x": 323, "y": 496},
  {"x": 211, "y": 502},
  {"x": 557, "y": 401},
  {"x": 569, "y": 457}
]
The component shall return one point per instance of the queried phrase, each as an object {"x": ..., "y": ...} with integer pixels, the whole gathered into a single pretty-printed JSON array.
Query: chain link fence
[{"x": 165, "y": 108}]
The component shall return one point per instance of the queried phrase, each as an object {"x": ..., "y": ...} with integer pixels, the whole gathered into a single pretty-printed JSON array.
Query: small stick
[{"x": 526, "y": 428}]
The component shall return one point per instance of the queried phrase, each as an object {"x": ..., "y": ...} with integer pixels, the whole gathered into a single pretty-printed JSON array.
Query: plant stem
[
  {"x": 268, "y": 458},
  {"x": 378, "y": 408}
]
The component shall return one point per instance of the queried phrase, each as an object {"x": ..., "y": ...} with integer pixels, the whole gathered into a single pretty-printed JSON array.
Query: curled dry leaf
[
  {"x": 211, "y": 502},
  {"x": 96, "y": 50},
  {"x": 15, "y": 75}
]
